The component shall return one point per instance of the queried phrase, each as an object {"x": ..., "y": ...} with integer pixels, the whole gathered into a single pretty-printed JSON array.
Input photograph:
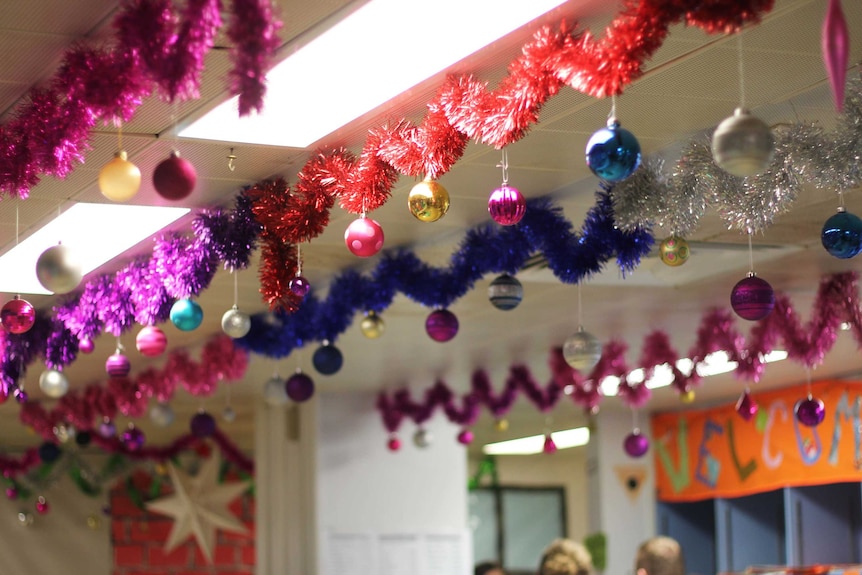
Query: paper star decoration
[{"x": 199, "y": 506}]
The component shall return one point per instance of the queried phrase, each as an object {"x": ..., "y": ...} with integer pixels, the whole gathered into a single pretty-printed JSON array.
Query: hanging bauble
[
  {"x": 175, "y": 177},
  {"x": 441, "y": 325},
  {"x": 428, "y": 201},
  {"x": 20, "y": 395},
  {"x": 582, "y": 350},
  {"x": 842, "y": 235},
  {"x": 18, "y": 315},
  {"x": 25, "y": 519},
  {"x": 507, "y": 205},
  {"x": 12, "y": 493},
  {"x": 746, "y": 407},
  {"x": 363, "y": 237},
  {"x": 42, "y": 505},
  {"x": 133, "y": 439},
  {"x": 86, "y": 345},
  {"x": 49, "y": 452},
  {"x": 83, "y": 438},
  {"x": 505, "y": 292},
  {"x": 274, "y": 393},
  {"x": 53, "y": 383},
  {"x": 422, "y": 438},
  {"x": 299, "y": 387},
  {"x": 202, "y": 425},
  {"x": 810, "y": 411},
  {"x": 186, "y": 314},
  {"x": 742, "y": 144},
  {"x": 151, "y": 341},
  {"x": 465, "y": 437},
  {"x": 118, "y": 365},
  {"x": 687, "y": 396},
  {"x": 636, "y": 444},
  {"x": 107, "y": 429},
  {"x": 229, "y": 414},
  {"x": 235, "y": 323},
  {"x": 372, "y": 325},
  {"x": 835, "y": 43},
  {"x": 162, "y": 415},
  {"x": 327, "y": 359},
  {"x": 58, "y": 269},
  {"x": 549, "y": 446},
  {"x": 613, "y": 153},
  {"x": 119, "y": 179},
  {"x": 94, "y": 522},
  {"x": 299, "y": 286},
  {"x": 501, "y": 424},
  {"x": 674, "y": 251},
  {"x": 64, "y": 432},
  {"x": 752, "y": 298},
  {"x": 393, "y": 444}
]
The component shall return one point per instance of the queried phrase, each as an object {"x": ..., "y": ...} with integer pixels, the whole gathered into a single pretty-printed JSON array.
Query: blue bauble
[
  {"x": 842, "y": 235},
  {"x": 327, "y": 359},
  {"x": 613, "y": 153},
  {"x": 186, "y": 314}
]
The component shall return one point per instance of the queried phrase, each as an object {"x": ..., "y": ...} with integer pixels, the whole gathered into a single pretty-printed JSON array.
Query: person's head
[
  {"x": 488, "y": 568},
  {"x": 660, "y": 556},
  {"x": 565, "y": 557}
]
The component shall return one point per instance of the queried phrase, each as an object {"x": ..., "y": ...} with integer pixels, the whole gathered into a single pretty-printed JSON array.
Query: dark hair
[
  {"x": 486, "y": 566},
  {"x": 660, "y": 556}
]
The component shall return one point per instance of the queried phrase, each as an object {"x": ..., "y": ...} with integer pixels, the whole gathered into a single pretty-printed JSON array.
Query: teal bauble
[{"x": 186, "y": 315}]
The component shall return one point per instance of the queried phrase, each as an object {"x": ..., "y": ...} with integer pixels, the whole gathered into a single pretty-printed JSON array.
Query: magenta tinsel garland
[{"x": 253, "y": 30}]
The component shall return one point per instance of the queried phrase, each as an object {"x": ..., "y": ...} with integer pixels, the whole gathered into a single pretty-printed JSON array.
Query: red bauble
[
  {"x": 151, "y": 341},
  {"x": 18, "y": 315},
  {"x": 364, "y": 237},
  {"x": 507, "y": 205},
  {"x": 175, "y": 178}
]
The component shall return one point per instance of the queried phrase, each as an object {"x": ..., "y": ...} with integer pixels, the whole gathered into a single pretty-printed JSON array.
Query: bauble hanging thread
[
  {"x": 428, "y": 201},
  {"x": 613, "y": 153},
  {"x": 58, "y": 269},
  {"x": 742, "y": 144},
  {"x": 175, "y": 177}
]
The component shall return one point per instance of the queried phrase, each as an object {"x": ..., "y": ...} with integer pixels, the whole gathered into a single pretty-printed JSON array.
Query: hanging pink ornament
[
  {"x": 118, "y": 365},
  {"x": 151, "y": 341},
  {"x": 465, "y": 437},
  {"x": 363, "y": 237},
  {"x": 42, "y": 506},
  {"x": 746, "y": 407},
  {"x": 174, "y": 178},
  {"x": 549, "y": 446},
  {"x": 636, "y": 444},
  {"x": 507, "y": 205},
  {"x": 11, "y": 493},
  {"x": 752, "y": 298},
  {"x": 133, "y": 438},
  {"x": 18, "y": 315},
  {"x": 394, "y": 444},
  {"x": 810, "y": 411},
  {"x": 441, "y": 325},
  {"x": 20, "y": 395},
  {"x": 299, "y": 286},
  {"x": 86, "y": 345},
  {"x": 836, "y": 50}
]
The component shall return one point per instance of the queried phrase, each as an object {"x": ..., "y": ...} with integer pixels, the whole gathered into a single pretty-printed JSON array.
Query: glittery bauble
[
  {"x": 465, "y": 437},
  {"x": 505, "y": 292},
  {"x": 49, "y": 452},
  {"x": 687, "y": 396},
  {"x": 752, "y": 298},
  {"x": 613, "y": 153},
  {"x": 202, "y": 425},
  {"x": 299, "y": 286},
  {"x": 299, "y": 387},
  {"x": 372, "y": 325},
  {"x": 274, "y": 392},
  {"x": 441, "y": 325},
  {"x": 636, "y": 444},
  {"x": 422, "y": 438},
  {"x": 549, "y": 446},
  {"x": 119, "y": 179},
  {"x": 58, "y": 269},
  {"x": 53, "y": 383},
  {"x": 810, "y": 411},
  {"x": 327, "y": 359},
  {"x": 175, "y": 177},
  {"x": 118, "y": 365},
  {"x": 674, "y": 251},
  {"x": 428, "y": 201},
  {"x": 842, "y": 235},
  {"x": 582, "y": 350},
  {"x": 507, "y": 205},
  {"x": 229, "y": 414},
  {"x": 364, "y": 237},
  {"x": 746, "y": 407},
  {"x": 86, "y": 345},
  {"x": 235, "y": 323},
  {"x": 394, "y": 444},
  {"x": 186, "y": 314},
  {"x": 742, "y": 144},
  {"x": 107, "y": 428},
  {"x": 42, "y": 505},
  {"x": 162, "y": 415},
  {"x": 133, "y": 439},
  {"x": 25, "y": 519},
  {"x": 501, "y": 424},
  {"x": 18, "y": 315},
  {"x": 151, "y": 341}
]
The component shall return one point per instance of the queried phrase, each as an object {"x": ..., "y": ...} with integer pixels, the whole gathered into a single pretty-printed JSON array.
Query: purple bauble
[
  {"x": 810, "y": 411},
  {"x": 636, "y": 444},
  {"x": 299, "y": 387},
  {"x": 20, "y": 395},
  {"x": 118, "y": 365},
  {"x": 441, "y": 325},
  {"x": 364, "y": 237},
  {"x": 746, "y": 407},
  {"x": 465, "y": 437},
  {"x": 203, "y": 425},
  {"x": 752, "y": 298},
  {"x": 151, "y": 341},
  {"x": 86, "y": 345},
  {"x": 18, "y": 315},
  {"x": 107, "y": 428},
  {"x": 174, "y": 178},
  {"x": 133, "y": 439},
  {"x": 299, "y": 286},
  {"x": 507, "y": 205}
]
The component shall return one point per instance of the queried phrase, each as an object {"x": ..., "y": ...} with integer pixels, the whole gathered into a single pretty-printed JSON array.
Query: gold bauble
[
  {"x": 687, "y": 396},
  {"x": 161, "y": 469},
  {"x": 120, "y": 179},
  {"x": 94, "y": 521},
  {"x": 674, "y": 251},
  {"x": 501, "y": 424},
  {"x": 428, "y": 201},
  {"x": 372, "y": 325}
]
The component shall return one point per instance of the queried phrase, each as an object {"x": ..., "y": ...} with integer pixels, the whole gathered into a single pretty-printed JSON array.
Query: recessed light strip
[{"x": 529, "y": 445}]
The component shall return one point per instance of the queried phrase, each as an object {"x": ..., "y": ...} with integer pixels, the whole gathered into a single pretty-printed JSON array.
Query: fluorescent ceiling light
[
  {"x": 381, "y": 50},
  {"x": 95, "y": 233},
  {"x": 534, "y": 444}
]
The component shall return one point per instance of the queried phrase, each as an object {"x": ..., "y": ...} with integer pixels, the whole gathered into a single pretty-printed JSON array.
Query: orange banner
[{"x": 715, "y": 453}]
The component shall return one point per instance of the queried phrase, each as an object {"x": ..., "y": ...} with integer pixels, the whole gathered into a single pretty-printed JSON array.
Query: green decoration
[
  {"x": 487, "y": 468},
  {"x": 135, "y": 494},
  {"x": 83, "y": 484},
  {"x": 597, "y": 545}
]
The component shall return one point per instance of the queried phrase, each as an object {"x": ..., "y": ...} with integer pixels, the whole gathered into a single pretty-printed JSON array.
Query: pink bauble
[
  {"x": 549, "y": 446},
  {"x": 752, "y": 298},
  {"x": 363, "y": 237},
  {"x": 636, "y": 444},
  {"x": 18, "y": 315},
  {"x": 86, "y": 345},
  {"x": 151, "y": 341},
  {"x": 465, "y": 437},
  {"x": 507, "y": 205},
  {"x": 118, "y": 365},
  {"x": 394, "y": 444},
  {"x": 746, "y": 407},
  {"x": 174, "y": 178},
  {"x": 441, "y": 325},
  {"x": 42, "y": 506}
]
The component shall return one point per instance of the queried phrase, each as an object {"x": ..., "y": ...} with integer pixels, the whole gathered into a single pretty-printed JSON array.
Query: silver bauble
[
  {"x": 58, "y": 269},
  {"x": 742, "y": 144},
  {"x": 64, "y": 433},
  {"x": 582, "y": 350},
  {"x": 235, "y": 323},
  {"x": 25, "y": 518},
  {"x": 53, "y": 383},
  {"x": 422, "y": 438},
  {"x": 162, "y": 414},
  {"x": 274, "y": 392},
  {"x": 505, "y": 292},
  {"x": 228, "y": 414}
]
